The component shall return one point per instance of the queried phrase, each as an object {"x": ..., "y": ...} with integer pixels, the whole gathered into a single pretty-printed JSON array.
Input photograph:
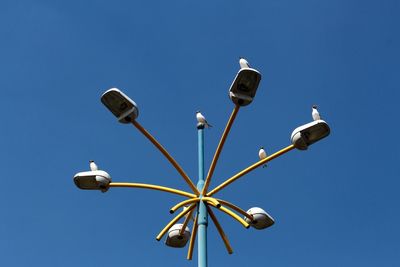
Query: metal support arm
[
  {"x": 173, "y": 221},
  {"x": 154, "y": 187},
  {"x": 232, "y": 214},
  {"x": 219, "y": 148},
  {"x": 220, "y": 231},
  {"x": 192, "y": 239},
  {"x": 236, "y": 208},
  {"x": 183, "y": 203},
  {"x": 185, "y": 223},
  {"x": 167, "y": 155},
  {"x": 249, "y": 169}
]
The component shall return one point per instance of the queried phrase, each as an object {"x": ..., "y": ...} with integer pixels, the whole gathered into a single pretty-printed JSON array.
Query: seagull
[
  {"x": 262, "y": 154},
  {"x": 315, "y": 113},
  {"x": 243, "y": 63},
  {"x": 93, "y": 166},
  {"x": 201, "y": 119}
]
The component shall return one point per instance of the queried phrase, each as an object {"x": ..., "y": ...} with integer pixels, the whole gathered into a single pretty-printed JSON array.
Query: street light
[
  {"x": 309, "y": 133},
  {"x": 92, "y": 180},
  {"x": 175, "y": 239},
  {"x": 124, "y": 108},
  {"x": 244, "y": 86},
  {"x": 261, "y": 219},
  {"x": 201, "y": 201}
]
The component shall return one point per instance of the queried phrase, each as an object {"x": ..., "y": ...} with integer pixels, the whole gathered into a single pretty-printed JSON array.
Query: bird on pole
[
  {"x": 93, "y": 166},
  {"x": 262, "y": 155},
  {"x": 201, "y": 119},
  {"x": 315, "y": 113},
  {"x": 243, "y": 63}
]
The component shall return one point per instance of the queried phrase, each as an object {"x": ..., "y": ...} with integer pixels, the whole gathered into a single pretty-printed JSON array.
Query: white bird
[
  {"x": 262, "y": 155},
  {"x": 201, "y": 119},
  {"x": 93, "y": 166},
  {"x": 315, "y": 113},
  {"x": 243, "y": 63}
]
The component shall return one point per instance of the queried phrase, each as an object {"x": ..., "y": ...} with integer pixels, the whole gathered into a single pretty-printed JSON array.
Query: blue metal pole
[{"x": 202, "y": 220}]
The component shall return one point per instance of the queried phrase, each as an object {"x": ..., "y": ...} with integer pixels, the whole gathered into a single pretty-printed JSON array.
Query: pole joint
[{"x": 200, "y": 125}]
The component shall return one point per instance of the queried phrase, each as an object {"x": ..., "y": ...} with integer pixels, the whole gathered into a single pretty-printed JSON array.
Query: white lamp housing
[
  {"x": 309, "y": 133},
  {"x": 92, "y": 180},
  {"x": 174, "y": 239},
  {"x": 261, "y": 219},
  {"x": 244, "y": 86},
  {"x": 124, "y": 108}
]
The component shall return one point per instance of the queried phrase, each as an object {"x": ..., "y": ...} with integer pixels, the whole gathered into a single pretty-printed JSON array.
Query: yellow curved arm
[
  {"x": 220, "y": 231},
  {"x": 192, "y": 239},
  {"x": 173, "y": 221},
  {"x": 183, "y": 203},
  {"x": 219, "y": 148},
  {"x": 232, "y": 214},
  {"x": 236, "y": 208},
  {"x": 249, "y": 169},
  {"x": 235, "y": 216},
  {"x": 154, "y": 187},
  {"x": 167, "y": 155},
  {"x": 185, "y": 222},
  {"x": 212, "y": 200}
]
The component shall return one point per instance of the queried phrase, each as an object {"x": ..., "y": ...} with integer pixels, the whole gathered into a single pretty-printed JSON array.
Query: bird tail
[{"x": 208, "y": 125}]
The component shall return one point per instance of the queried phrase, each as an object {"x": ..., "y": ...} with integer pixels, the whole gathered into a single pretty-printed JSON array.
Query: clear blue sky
[{"x": 336, "y": 204}]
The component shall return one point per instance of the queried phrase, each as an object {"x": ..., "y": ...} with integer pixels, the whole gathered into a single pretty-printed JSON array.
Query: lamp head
[
  {"x": 244, "y": 86},
  {"x": 261, "y": 219},
  {"x": 174, "y": 239},
  {"x": 309, "y": 133},
  {"x": 124, "y": 108},
  {"x": 92, "y": 180}
]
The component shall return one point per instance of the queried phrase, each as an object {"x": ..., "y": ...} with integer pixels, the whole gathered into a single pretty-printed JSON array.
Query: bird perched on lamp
[
  {"x": 93, "y": 166},
  {"x": 243, "y": 63},
  {"x": 315, "y": 113}
]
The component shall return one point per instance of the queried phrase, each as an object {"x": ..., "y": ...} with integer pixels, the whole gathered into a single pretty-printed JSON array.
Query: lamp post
[
  {"x": 202, "y": 220},
  {"x": 201, "y": 201}
]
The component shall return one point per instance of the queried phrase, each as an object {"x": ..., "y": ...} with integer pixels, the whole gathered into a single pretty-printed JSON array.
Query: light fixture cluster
[{"x": 242, "y": 93}]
